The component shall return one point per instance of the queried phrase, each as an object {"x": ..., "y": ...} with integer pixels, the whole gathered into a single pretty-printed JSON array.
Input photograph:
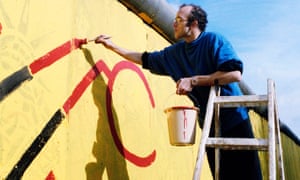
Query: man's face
[{"x": 180, "y": 22}]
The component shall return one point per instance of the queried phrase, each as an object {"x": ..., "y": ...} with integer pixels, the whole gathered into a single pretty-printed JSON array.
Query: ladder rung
[
  {"x": 245, "y": 100},
  {"x": 238, "y": 143}
]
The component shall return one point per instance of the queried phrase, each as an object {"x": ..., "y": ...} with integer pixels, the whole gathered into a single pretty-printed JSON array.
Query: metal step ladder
[{"x": 271, "y": 144}]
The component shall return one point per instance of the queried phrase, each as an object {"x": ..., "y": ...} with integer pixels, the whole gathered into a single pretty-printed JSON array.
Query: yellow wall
[
  {"x": 82, "y": 146},
  {"x": 291, "y": 151}
]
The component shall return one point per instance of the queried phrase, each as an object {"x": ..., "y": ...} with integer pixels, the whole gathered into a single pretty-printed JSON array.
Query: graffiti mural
[
  {"x": 10, "y": 83},
  {"x": 66, "y": 113}
]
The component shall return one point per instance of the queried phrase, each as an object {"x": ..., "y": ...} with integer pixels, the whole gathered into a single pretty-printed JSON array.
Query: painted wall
[
  {"x": 291, "y": 151},
  {"x": 114, "y": 125},
  {"x": 85, "y": 113}
]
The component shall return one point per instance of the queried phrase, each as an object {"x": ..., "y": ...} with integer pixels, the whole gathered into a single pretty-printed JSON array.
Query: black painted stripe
[
  {"x": 13, "y": 81},
  {"x": 37, "y": 145}
]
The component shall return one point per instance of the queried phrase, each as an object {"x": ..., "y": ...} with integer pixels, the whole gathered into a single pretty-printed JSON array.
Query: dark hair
[{"x": 197, "y": 14}]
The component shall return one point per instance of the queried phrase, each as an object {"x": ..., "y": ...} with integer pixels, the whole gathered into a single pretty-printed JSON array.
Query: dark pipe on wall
[{"x": 156, "y": 13}]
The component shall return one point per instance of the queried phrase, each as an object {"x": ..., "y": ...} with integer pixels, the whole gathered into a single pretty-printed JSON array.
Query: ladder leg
[
  {"x": 279, "y": 152},
  {"x": 271, "y": 129},
  {"x": 278, "y": 141},
  {"x": 217, "y": 134},
  {"x": 205, "y": 134},
  {"x": 217, "y": 163}
]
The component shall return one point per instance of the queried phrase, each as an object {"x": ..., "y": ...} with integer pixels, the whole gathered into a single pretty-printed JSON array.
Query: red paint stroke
[
  {"x": 0, "y": 27},
  {"x": 139, "y": 161},
  {"x": 50, "y": 176},
  {"x": 56, "y": 54},
  {"x": 91, "y": 76},
  {"x": 184, "y": 123}
]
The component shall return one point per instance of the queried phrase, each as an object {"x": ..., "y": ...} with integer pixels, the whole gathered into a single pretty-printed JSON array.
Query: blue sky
[{"x": 266, "y": 36}]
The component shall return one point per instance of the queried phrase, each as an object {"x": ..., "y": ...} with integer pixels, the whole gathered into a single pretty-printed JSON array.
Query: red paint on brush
[
  {"x": 56, "y": 54},
  {"x": 99, "y": 67}
]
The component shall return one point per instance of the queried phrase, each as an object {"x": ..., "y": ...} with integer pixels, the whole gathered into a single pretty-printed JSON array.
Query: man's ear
[{"x": 194, "y": 23}]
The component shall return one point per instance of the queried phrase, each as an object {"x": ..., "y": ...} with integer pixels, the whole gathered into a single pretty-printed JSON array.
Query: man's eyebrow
[{"x": 180, "y": 17}]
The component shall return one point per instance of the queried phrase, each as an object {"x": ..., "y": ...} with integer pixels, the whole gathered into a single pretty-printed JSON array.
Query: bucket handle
[
  {"x": 194, "y": 99},
  {"x": 191, "y": 97}
]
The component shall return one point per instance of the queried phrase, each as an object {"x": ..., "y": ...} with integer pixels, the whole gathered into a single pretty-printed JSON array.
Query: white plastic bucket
[{"x": 182, "y": 125}]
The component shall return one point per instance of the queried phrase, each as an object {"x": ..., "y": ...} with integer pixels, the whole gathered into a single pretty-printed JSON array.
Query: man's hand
[
  {"x": 184, "y": 86},
  {"x": 105, "y": 40}
]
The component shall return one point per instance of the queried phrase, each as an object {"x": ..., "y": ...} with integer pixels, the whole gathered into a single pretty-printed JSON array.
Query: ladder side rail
[
  {"x": 278, "y": 140},
  {"x": 205, "y": 133},
  {"x": 217, "y": 134},
  {"x": 271, "y": 134}
]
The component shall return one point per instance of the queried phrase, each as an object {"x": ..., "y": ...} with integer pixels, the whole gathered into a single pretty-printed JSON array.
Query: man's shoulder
[
  {"x": 176, "y": 45},
  {"x": 215, "y": 37},
  {"x": 212, "y": 34}
]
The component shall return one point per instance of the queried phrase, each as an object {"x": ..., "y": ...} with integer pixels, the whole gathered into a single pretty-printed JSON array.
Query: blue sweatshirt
[{"x": 209, "y": 53}]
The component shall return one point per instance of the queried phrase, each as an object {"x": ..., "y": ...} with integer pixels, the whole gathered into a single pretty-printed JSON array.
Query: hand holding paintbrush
[
  {"x": 133, "y": 56},
  {"x": 105, "y": 40}
]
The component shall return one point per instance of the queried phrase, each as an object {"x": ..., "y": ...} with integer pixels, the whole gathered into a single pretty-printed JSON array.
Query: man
[{"x": 200, "y": 60}]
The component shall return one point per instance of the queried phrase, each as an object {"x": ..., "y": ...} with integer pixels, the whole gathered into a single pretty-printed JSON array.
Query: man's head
[
  {"x": 197, "y": 14},
  {"x": 189, "y": 19}
]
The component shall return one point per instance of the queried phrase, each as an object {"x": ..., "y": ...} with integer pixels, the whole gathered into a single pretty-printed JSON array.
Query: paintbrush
[{"x": 93, "y": 40}]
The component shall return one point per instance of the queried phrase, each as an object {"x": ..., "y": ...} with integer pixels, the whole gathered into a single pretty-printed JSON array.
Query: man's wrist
[
  {"x": 193, "y": 82},
  {"x": 216, "y": 82}
]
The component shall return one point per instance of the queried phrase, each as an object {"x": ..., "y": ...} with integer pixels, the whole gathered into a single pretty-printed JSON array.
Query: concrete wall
[{"x": 114, "y": 125}]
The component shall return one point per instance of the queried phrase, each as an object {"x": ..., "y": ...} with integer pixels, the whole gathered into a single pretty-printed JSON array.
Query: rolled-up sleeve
[
  {"x": 145, "y": 63},
  {"x": 231, "y": 65}
]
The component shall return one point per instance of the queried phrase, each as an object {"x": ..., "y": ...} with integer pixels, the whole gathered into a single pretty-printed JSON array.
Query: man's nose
[{"x": 174, "y": 24}]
